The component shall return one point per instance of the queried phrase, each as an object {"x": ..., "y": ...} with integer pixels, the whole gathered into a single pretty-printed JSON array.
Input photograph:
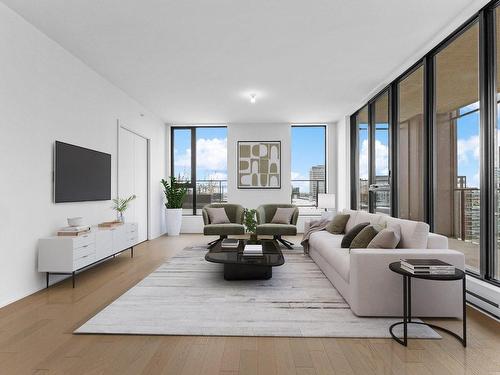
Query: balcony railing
[{"x": 207, "y": 192}]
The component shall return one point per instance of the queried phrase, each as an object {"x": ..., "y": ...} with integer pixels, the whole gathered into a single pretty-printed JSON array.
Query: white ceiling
[{"x": 197, "y": 61}]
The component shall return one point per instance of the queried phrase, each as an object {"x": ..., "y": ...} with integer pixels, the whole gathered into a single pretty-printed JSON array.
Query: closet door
[{"x": 133, "y": 178}]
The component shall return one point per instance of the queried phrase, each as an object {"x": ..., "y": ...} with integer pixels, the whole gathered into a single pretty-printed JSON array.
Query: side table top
[{"x": 396, "y": 267}]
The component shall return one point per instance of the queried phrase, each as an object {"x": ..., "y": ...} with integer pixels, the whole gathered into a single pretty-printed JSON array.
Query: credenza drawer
[
  {"x": 84, "y": 250},
  {"x": 84, "y": 261},
  {"x": 83, "y": 240}
]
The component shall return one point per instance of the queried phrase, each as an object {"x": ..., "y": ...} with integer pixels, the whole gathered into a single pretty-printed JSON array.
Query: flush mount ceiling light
[{"x": 253, "y": 98}]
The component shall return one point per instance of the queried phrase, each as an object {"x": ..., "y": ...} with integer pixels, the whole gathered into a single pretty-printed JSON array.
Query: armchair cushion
[
  {"x": 229, "y": 229},
  {"x": 276, "y": 229}
]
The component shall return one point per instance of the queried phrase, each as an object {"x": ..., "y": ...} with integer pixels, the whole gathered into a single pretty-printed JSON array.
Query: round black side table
[{"x": 407, "y": 276}]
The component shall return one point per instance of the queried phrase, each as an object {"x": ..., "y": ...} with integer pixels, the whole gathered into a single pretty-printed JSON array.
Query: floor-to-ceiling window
[
  {"x": 362, "y": 159},
  {"x": 308, "y": 168},
  {"x": 380, "y": 192},
  {"x": 199, "y": 161},
  {"x": 411, "y": 146},
  {"x": 457, "y": 146},
  {"x": 444, "y": 144}
]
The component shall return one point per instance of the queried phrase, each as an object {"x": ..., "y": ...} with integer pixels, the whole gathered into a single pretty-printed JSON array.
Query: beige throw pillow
[
  {"x": 283, "y": 215},
  {"x": 217, "y": 215},
  {"x": 387, "y": 238},
  {"x": 337, "y": 225}
]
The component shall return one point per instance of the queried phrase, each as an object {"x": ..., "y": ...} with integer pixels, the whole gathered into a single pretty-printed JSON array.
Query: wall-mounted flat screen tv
[{"x": 81, "y": 174}]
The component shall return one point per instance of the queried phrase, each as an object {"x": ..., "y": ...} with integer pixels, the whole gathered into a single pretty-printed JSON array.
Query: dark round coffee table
[
  {"x": 407, "y": 276},
  {"x": 240, "y": 267}
]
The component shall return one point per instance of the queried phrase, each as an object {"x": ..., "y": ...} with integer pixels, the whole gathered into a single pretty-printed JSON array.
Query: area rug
[{"x": 189, "y": 296}]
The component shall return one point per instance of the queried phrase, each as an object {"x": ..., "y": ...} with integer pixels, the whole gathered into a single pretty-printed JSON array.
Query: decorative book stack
[
  {"x": 427, "y": 267},
  {"x": 74, "y": 230},
  {"x": 252, "y": 250},
  {"x": 230, "y": 243}
]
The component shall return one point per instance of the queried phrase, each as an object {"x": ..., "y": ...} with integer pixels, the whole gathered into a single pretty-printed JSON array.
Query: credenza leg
[
  {"x": 73, "y": 279},
  {"x": 132, "y": 252},
  {"x": 47, "y": 278}
]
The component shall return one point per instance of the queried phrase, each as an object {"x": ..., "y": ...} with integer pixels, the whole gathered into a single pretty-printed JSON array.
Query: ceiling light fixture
[{"x": 252, "y": 98}]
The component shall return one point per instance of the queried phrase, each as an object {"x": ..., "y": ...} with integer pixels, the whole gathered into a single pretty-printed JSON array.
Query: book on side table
[{"x": 427, "y": 267}]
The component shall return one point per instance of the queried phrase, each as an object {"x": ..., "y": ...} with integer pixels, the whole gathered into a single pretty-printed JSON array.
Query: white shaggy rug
[{"x": 189, "y": 296}]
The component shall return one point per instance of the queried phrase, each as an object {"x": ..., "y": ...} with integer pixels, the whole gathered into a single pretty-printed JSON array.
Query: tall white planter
[{"x": 174, "y": 221}]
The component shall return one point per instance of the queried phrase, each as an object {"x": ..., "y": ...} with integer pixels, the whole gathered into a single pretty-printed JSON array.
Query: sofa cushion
[
  {"x": 278, "y": 229},
  {"x": 364, "y": 237},
  {"x": 223, "y": 229},
  {"x": 387, "y": 238},
  {"x": 217, "y": 215},
  {"x": 282, "y": 215},
  {"x": 349, "y": 236},
  {"x": 413, "y": 233},
  {"x": 337, "y": 225},
  {"x": 328, "y": 246}
]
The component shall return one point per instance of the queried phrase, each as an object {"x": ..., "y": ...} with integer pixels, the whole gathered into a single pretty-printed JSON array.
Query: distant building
[{"x": 317, "y": 180}]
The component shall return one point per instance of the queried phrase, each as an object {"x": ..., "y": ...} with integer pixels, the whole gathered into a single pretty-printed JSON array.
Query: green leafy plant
[
  {"x": 174, "y": 192},
  {"x": 250, "y": 221},
  {"x": 120, "y": 205}
]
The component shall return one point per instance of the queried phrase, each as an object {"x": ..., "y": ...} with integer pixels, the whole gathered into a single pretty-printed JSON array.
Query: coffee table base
[{"x": 247, "y": 272}]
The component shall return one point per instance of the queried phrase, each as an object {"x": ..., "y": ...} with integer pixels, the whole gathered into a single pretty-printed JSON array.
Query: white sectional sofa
[{"x": 363, "y": 277}]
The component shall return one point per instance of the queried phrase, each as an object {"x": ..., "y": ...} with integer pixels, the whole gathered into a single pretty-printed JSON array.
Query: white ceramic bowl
[{"x": 75, "y": 221}]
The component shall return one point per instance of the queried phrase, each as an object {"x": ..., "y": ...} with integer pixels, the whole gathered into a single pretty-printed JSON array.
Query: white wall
[
  {"x": 47, "y": 94},
  {"x": 344, "y": 164},
  {"x": 252, "y": 198}
]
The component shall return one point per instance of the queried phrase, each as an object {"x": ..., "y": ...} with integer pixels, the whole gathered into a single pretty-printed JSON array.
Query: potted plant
[
  {"x": 174, "y": 194},
  {"x": 120, "y": 205},
  {"x": 250, "y": 223}
]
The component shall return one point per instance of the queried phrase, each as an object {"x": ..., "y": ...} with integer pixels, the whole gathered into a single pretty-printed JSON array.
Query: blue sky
[{"x": 308, "y": 149}]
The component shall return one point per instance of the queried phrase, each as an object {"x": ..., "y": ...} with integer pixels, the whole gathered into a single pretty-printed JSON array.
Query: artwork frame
[{"x": 258, "y": 165}]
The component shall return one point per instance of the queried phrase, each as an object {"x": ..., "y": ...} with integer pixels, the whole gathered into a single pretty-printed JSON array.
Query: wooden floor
[{"x": 36, "y": 337}]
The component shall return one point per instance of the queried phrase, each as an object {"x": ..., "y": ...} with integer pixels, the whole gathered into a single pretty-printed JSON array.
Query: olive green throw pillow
[
  {"x": 364, "y": 237},
  {"x": 337, "y": 225},
  {"x": 349, "y": 236}
]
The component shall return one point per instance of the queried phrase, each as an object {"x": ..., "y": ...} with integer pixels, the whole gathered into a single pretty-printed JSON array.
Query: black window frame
[
  {"x": 485, "y": 18},
  {"x": 192, "y": 183}
]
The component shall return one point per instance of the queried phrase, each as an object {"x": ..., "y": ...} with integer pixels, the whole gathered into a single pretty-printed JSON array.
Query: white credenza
[{"x": 63, "y": 255}]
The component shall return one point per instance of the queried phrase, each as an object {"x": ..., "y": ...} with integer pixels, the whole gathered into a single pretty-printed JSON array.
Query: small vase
[
  {"x": 119, "y": 217},
  {"x": 253, "y": 238}
]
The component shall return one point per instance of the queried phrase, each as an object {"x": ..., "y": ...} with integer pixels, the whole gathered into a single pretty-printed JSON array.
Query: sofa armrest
[{"x": 375, "y": 290}]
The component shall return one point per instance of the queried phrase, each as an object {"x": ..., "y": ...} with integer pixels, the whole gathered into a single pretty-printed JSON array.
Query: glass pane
[
  {"x": 211, "y": 166},
  {"x": 496, "y": 257},
  {"x": 382, "y": 194},
  {"x": 411, "y": 146},
  {"x": 182, "y": 154},
  {"x": 457, "y": 146},
  {"x": 363, "y": 158},
  {"x": 308, "y": 167}
]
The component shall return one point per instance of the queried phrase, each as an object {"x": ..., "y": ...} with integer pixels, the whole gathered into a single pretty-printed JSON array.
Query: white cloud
[
  {"x": 381, "y": 159},
  {"x": 211, "y": 155},
  {"x": 468, "y": 149}
]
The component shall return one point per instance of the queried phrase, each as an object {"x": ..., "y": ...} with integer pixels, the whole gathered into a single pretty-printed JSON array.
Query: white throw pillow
[
  {"x": 217, "y": 215},
  {"x": 283, "y": 215}
]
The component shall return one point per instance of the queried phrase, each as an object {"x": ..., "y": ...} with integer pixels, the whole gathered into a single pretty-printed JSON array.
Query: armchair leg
[
  {"x": 285, "y": 243},
  {"x": 214, "y": 242}
]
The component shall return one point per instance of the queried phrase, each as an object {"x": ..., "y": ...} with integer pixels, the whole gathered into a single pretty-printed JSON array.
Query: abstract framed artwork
[{"x": 259, "y": 164}]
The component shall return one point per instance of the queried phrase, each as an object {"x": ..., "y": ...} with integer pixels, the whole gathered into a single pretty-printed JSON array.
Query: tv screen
[{"x": 81, "y": 174}]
